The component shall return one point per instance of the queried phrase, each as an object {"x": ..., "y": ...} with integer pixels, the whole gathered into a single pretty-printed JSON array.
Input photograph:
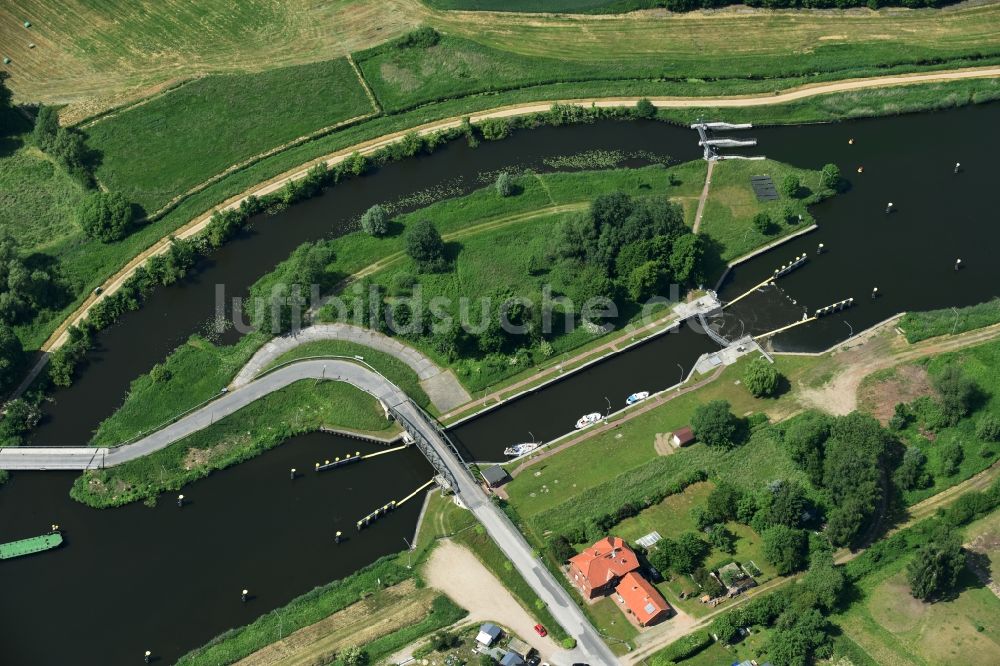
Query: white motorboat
[
  {"x": 520, "y": 449},
  {"x": 588, "y": 420},
  {"x": 637, "y": 397}
]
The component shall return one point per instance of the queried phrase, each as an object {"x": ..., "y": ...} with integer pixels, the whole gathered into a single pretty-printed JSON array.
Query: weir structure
[{"x": 709, "y": 144}]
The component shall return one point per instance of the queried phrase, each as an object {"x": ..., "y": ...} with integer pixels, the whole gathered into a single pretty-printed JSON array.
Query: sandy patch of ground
[
  {"x": 454, "y": 570},
  {"x": 907, "y": 383},
  {"x": 662, "y": 444}
]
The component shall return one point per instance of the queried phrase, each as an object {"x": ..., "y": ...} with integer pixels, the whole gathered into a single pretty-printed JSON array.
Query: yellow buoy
[
  {"x": 850, "y": 141},
  {"x": 861, "y": 169}
]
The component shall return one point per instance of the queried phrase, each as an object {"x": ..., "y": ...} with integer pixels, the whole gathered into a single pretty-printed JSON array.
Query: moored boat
[
  {"x": 588, "y": 420},
  {"x": 637, "y": 397},
  {"x": 520, "y": 449},
  {"x": 31, "y": 545}
]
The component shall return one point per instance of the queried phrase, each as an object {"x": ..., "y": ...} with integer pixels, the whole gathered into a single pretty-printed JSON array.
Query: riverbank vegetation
[
  {"x": 301, "y": 407},
  {"x": 949, "y": 321},
  {"x": 373, "y": 590}
]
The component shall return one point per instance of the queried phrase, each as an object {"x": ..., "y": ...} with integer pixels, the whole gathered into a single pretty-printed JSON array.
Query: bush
[
  {"x": 569, "y": 643},
  {"x": 714, "y": 424},
  {"x": 830, "y": 176},
  {"x": 160, "y": 374},
  {"x": 425, "y": 246},
  {"x": 354, "y": 656},
  {"x": 494, "y": 129},
  {"x": 12, "y": 357},
  {"x": 957, "y": 393},
  {"x": 561, "y": 549},
  {"x": 951, "y": 457},
  {"x": 683, "y": 648},
  {"x": 988, "y": 428},
  {"x": 761, "y": 378},
  {"x": 105, "y": 216},
  {"x": 911, "y": 473},
  {"x": 46, "y": 127},
  {"x": 421, "y": 38},
  {"x": 505, "y": 184},
  {"x": 645, "y": 109},
  {"x": 790, "y": 185},
  {"x": 933, "y": 572},
  {"x": 375, "y": 221},
  {"x": 762, "y": 223},
  {"x": 785, "y": 548}
]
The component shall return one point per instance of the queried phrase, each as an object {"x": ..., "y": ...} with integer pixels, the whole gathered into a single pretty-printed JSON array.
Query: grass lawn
[
  {"x": 565, "y": 477},
  {"x": 190, "y": 135},
  {"x": 395, "y": 370},
  {"x": 609, "y": 618},
  {"x": 301, "y": 407},
  {"x": 715, "y": 654},
  {"x": 483, "y": 210},
  {"x": 38, "y": 199},
  {"x": 731, "y": 205},
  {"x": 894, "y": 628},
  {"x": 198, "y": 370}
]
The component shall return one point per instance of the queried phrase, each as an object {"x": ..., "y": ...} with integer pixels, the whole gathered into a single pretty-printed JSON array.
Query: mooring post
[
  {"x": 243, "y": 595},
  {"x": 180, "y": 500},
  {"x": 292, "y": 474},
  {"x": 888, "y": 209},
  {"x": 958, "y": 165},
  {"x": 337, "y": 537},
  {"x": 874, "y": 293},
  {"x": 958, "y": 264},
  {"x": 146, "y": 656},
  {"x": 819, "y": 250}
]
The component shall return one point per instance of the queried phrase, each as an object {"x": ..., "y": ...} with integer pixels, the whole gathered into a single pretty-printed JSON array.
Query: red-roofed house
[
  {"x": 598, "y": 569},
  {"x": 642, "y": 599}
]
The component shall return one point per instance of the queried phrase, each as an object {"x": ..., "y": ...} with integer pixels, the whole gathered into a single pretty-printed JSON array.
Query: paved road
[
  {"x": 441, "y": 386},
  {"x": 590, "y": 647}
]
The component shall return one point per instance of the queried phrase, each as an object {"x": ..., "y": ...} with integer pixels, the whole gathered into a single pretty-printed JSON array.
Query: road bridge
[{"x": 427, "y": 435}]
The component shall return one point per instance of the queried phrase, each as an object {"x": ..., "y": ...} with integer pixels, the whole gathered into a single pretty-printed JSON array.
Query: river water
[{"x": 167, "y": 579}]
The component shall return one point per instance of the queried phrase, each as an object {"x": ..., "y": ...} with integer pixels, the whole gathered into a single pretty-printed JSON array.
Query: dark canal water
[{"x": 168, "y": 579}]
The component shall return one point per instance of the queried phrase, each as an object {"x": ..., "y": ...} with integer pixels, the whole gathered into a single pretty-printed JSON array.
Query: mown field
[
  {"x": 189, "y": 135},
  {"x": 732, "y": 204},
  {"x": 96, "y": 54},
  {"x": 894, "y": 628},
  {"x": 38, "y": 199}
]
